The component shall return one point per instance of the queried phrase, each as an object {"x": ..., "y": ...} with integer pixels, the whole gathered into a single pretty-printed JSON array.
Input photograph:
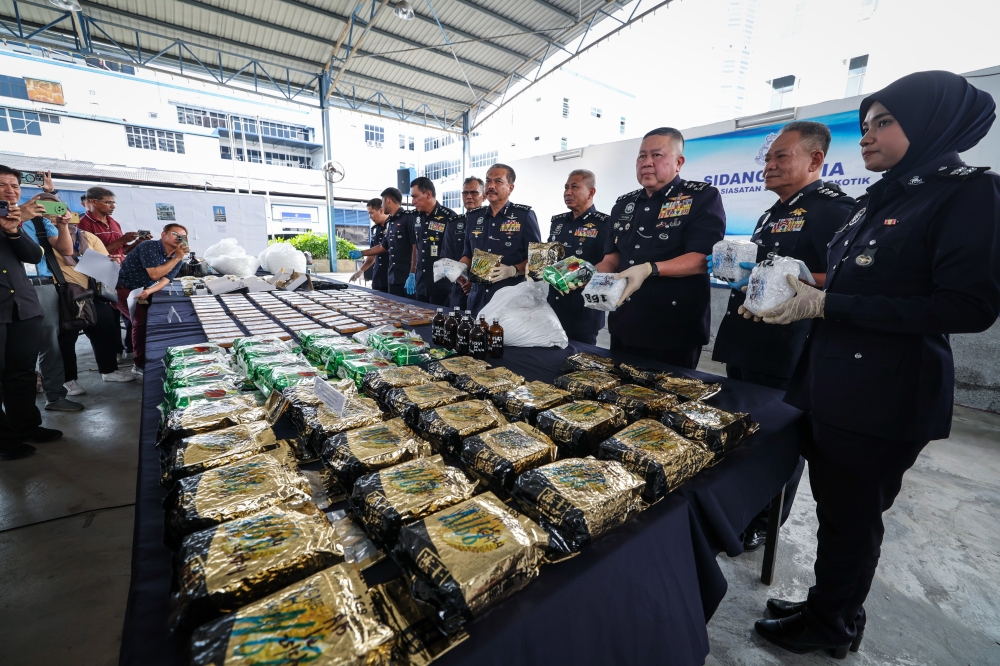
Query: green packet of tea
[
  {"x": 182, "y": 397},
  {"x": 183, "y": 351},
  {"x": 570, "y": 273}
]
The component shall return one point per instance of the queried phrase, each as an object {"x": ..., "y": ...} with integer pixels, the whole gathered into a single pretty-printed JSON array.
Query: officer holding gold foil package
[
  {"x": 502, "y": 228},
  {"x": 659, "y": 239},
  {"x": 583, "y": 232}
]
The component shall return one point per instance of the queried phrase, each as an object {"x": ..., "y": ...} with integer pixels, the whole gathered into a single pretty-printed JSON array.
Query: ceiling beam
[
  {"x": 512, "y": 23},
  {"x": 558, "y": 10}
]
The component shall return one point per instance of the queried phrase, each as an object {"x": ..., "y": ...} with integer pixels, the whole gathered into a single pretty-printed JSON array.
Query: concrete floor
[{"x": 936, "y": 598}]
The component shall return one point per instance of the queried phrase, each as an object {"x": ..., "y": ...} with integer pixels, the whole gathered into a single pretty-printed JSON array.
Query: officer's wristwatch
[{"x": 653, "y": 270}]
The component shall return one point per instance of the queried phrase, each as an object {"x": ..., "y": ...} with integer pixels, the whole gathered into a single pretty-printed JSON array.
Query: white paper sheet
[
  {"x": 132, "y": 297},
  {"x": 99, "y": 267}
]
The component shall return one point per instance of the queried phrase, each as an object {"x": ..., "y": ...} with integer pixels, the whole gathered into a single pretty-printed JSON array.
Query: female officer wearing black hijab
[{"x": 918, "y": 260}]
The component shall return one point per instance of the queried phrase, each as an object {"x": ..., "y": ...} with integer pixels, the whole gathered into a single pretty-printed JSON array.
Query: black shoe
[
  {"x": 753, "y": 539},
  {"x": 42, "y": 435},
  {"x": 779, "y": 608},
  {"x": 15, "y": 450},
  {"x": 792, "y": 634}
]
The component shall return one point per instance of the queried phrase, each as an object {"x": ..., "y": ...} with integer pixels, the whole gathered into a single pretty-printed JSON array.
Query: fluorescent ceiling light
[
  {"x": 568, "y": 155},
  {"x": 765, "y": 118},
  {"x": 67, "y": 5}
]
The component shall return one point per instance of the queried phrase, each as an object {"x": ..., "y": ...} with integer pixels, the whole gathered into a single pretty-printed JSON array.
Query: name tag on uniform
[
  {"x": 510, "y": 227},
  {"x": 583, "y": 232},
  {"x": 787, "y": 224},
  {"x": 434, "y": 250},
  {"x": 436, "y": 226},
  {"x": 675, "y": 207}
]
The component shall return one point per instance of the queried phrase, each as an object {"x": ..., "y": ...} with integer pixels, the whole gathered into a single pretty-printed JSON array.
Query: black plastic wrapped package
[
  {"x": 578, "y": 427},
  {"x": 496, "y": 457},
  {"x": 364, "y": 450},
  {"x": 717, "y": 430}
]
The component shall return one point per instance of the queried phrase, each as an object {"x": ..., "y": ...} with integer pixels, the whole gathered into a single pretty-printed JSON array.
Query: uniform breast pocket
[
  {"x": 874, "y": 262},
  {"x": 866, "y": 356},
  {"x": 784, "y": 244}
]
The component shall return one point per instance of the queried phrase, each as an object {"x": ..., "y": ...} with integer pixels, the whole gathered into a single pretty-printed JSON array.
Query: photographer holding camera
[{"x": 150, "y": 267}]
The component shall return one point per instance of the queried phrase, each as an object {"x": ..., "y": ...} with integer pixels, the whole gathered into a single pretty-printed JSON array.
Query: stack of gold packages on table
[
  {"x": 578, "y": 427},
  {"x": 410, "y": 401},
  {"x": 523, "y": 403},
  {"x": 576, "y": 500},
  {"x": 446, "y": 427},
  {"x": 586, "y": 384},
  {"x": 388, "y": 499},
  {"x": 662, "y": 457},
  {"x": 685, "y": 388},
  {"x": 326, "y": 619},
  {"x": 209, "y": 416},
  {"x": 195, "y": 454},
  {"x": 419, "y": 641},
  {"x": 354, "y": 453},
  {"x": 485, "y": 384},
  {"x": 584, "y": 361},
  {"x": 376, "y": 384},
  {"x": 496, "y": 457},
  {"x": 449, "y": 368},
  {"x": 638, "y": 402},
  {"x": 716, "y": 429},
  {"x": 320, "y": 422},
  {"x": 467, "y": 558}
]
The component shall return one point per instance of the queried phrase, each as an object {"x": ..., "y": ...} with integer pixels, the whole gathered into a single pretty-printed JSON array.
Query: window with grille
[
  {"x": 19, "y": 122},
  {"x": 48, "y": 118},
  {"x": 442, "y": 169},
  {"x": 227, "y": 155},
  {"x": 435, "y": 142},
  {"x": 13, "y": 86},
  {"x": 565, "y": 107},
  {"x": 563, "y": 144},
  {"x": 482, "y": 160},
  {"x": 856, "y": 75},
  {"x": 411, "y": 143},
  {"x": 594, "y": 111},
  {"x": 288, "y": 160},
  {"x": 187, "y": 115},
  {"x": 154, "y": 139},
  {"x": 782, "y": 89},
  {"x": 402, "y": 142},
  {"x": 452, "y": 200},
  {"x": 374, "y": 133},
  {"x": 621, "y": 126}
]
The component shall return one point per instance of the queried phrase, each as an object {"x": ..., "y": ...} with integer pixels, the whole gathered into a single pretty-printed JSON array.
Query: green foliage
[
  {"x": 343, "y": 247},
  {"x": 317, "y": 245}
]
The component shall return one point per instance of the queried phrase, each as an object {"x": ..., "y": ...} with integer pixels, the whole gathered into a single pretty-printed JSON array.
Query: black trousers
[
  {"x": 20, "y": 341},
  {"x": 683, "y": 357},
  {"x": 855, "y": 479},
  {"x": 586, "y": 338},
  {"x": 105, "y": 339},
  {"x": 759, "y": 521},
  {"x": 398, "y": 290}
]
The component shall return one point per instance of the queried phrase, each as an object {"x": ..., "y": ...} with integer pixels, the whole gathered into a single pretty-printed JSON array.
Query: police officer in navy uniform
[
  {"x": 583, "y": 232},
  {"x": 430, "y": 227},
  {"x": 502, "y": 228},
  {"x": 659, "y": 239},
  {"x": 380, "y": 272},
  {"x": 917, "y": 260},
  {"x": 799, "y": 225},
  {"x": 454, "y": 236},
  {"x": 398, "y": 244}
]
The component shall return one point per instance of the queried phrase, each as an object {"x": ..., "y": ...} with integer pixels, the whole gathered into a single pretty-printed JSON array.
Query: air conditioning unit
[{"x": 374, "y": 144}]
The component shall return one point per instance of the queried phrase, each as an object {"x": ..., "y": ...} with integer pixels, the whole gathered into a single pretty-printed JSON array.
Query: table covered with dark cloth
[{"x": 642, "y": 593}]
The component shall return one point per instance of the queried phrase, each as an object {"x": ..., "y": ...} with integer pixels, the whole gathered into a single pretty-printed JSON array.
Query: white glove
[
  {"x": 502, "y": 272},
  {"x": 807, "y": 303},
  {"x": 635, "y": 275},
  {"x": 356, "y": 276}
]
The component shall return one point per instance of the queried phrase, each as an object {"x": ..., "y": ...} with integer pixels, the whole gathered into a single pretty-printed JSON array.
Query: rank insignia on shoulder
[
  {"x": 830, "y": 192},
  {"x": 521, "y": 206},
  {"x": 560, "y": 216},
  {"x": 628, "y": 195},
  {"x": 961, "y": 172},
  {"x": 602, "y": 216},
  {"x": 916, "y": 180},
  {"x": 696, "y": 185}
]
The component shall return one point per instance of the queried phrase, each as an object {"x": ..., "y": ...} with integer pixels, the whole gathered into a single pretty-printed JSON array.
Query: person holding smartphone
[{"x": 150, "y": 267}]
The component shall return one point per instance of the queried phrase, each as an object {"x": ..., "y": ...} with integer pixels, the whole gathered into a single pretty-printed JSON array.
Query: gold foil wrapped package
[
  {"x": 220, "y": 569},
  {"x": 195, "y": 454},
  {"x": 184, "y": 362},
  {"x": 449, "y": 368},
  {"x": 469, "y": 557},
  {"x": 576, "y": 500},
  {"x": 578, "y": 427},
  {"x": 375, "y": 384},
  {"x": 418, "y": 639},
  {"x": 185, "y": 351},
  {"x": 656, "y": 453},
  {"x": 685, "y": 388},
  {"x": 390, "y": 498},
  {"x": 202, "y": 374},
  {"x": 320, "y": 422},
  {"x": 209, "y": 416},
  {"x": 182, "y": 397},
  {"x": 364, "y": 450},
  {"x": 232, "y": 491},
  {"x": 409, "y": 401},
  {"x": 485, "y": 384},
  {"x": 716, "y": 429},
  {"x": 447, "y": 426},
  {"x": 586, "y": 384},
  {"x": 541, "y": 255},
  {"x": 496, "y": 457},
  {"x": 583, "y": 361},
  {"x": 639, "y": 402},
  {"x": 482, "y": 264},
  {"x": 523, "y": 403},
  {"x": 326, "y": 619}
]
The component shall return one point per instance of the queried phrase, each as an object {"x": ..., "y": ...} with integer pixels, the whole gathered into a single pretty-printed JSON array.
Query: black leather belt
[{"x": 39, "y": 281}]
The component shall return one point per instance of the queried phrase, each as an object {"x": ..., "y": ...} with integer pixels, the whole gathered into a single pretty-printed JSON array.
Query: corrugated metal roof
[{"x": 293, "y": 40}]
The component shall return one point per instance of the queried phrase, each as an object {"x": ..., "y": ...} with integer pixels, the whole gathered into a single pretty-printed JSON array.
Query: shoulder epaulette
[
  {"x": 476, "y": 210},
  {"x": 447, "y": 212},
  {"x": 560, "y": 216},
  {"x": 626, "y": 196},
  {"x": 831, "y": 190},
  {"x": 696, "y": 185},
  {"x": 521, "y": 206},
  {"x": 961, "y": 172},
  {"x": 601, "y": 216}
]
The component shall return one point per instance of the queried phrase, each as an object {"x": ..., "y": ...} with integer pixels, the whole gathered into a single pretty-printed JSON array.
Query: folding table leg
[{"x": 771, "y": 545}]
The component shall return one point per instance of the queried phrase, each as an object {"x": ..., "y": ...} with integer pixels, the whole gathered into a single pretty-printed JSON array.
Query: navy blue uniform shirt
[
  {"x": 921, "y": 263},
  {"x": 800, "y": 228},
  {"x": 584, "y": 237},
  {"x": 399, "y": 242},
  {"x": 147, "y": 254},
  {"x": 506, "y": 234},
  {"x": 666, "y": 312},
  {"x": 380, "y": 269},
  {"x": 430, "y": 232},
  {"x": 454, "y": 244}
]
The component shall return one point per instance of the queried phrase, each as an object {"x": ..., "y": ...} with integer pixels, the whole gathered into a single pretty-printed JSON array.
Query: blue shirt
[
  {"x": 148, "y": 254},
  {"x": 50, "y": 231}
]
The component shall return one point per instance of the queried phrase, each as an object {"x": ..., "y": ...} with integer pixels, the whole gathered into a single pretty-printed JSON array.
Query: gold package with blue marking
[
  {"x": 364, "y": 450},
  {"x": 496, "y": 457},
  {"x": 716, "y": 429}
]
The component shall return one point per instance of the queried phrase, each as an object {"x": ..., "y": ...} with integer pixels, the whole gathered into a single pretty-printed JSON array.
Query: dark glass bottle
[
  {"x": 478, "y": 339},
  {"x": 483, "y": 324},
  {"x": 437, "y": 327},
  {"x": 451, "y": 329},
  {"x": 464, "y": 329},
  {"x": 496, "y": 340}
]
